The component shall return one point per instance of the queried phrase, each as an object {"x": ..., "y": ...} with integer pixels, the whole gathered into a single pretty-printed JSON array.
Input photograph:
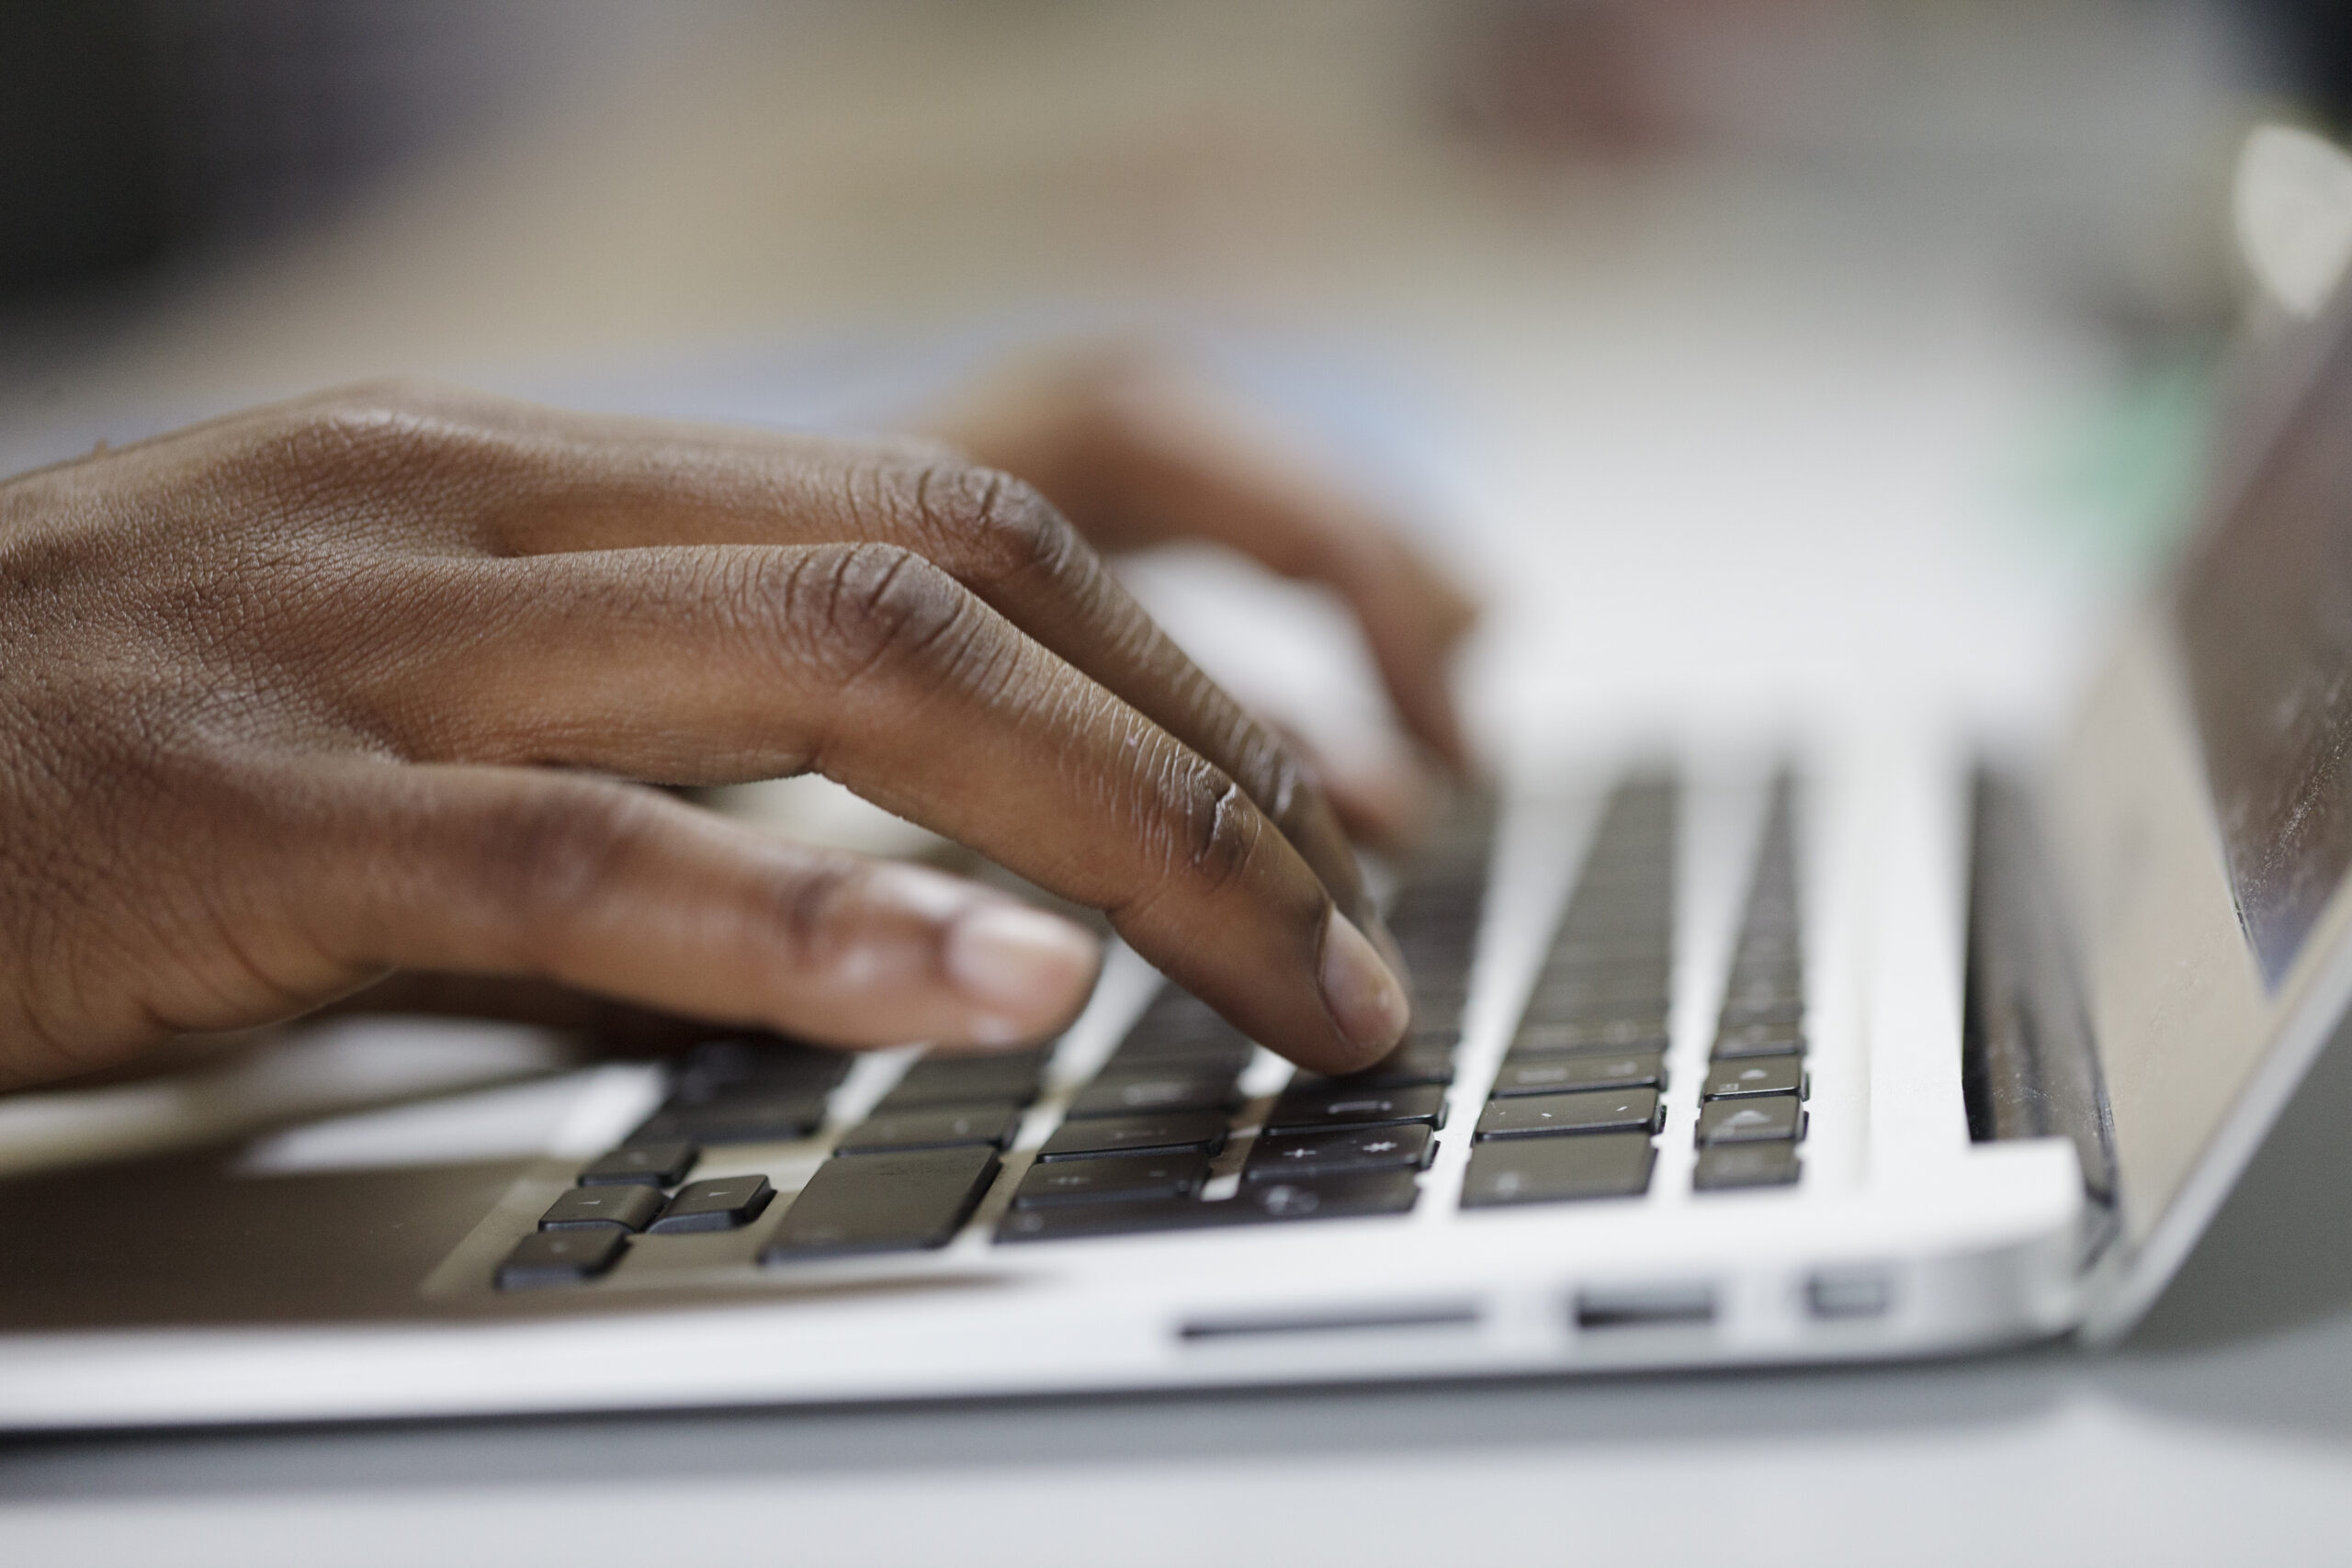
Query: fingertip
[
  {"x": 1364, "y": 995},
  {"x": 1026, "y": 972}
]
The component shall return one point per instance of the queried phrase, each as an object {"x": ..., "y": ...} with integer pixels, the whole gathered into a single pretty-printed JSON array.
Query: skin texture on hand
[{"x": 374, "y": 683}]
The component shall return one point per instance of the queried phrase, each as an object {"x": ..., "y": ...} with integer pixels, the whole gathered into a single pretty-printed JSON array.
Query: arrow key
[
  {"x": 1274, "y": 1158},
  {"x": 1776, "y": 1117}
]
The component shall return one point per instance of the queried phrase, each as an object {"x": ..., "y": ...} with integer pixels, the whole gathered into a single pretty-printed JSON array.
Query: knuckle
[
  {"x": 1283, "y": 785},
  {"x": 810, "y": 907},
  {"x": 369, "y": 442},
  {"x": 991, "y": 526},
  {"x": 869, "y": 608},
  {"x": 1216, "y": 830}
]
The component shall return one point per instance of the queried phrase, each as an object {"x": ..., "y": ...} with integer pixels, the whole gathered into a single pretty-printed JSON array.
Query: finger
[
  {"x": 1386, "y": 800},
  {"x": 568, "y": 483},
  {"x": 872, "y": 666},
  {"x": 1192, "y": 483},
  {"x": 1137, "y": 456},
  {"x": 620, "y": 891},
  {"x": 599, "y": 1019}
]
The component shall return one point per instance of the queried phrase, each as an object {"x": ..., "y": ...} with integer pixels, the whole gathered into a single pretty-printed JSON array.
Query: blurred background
[{"x": 1769, "y": 355}]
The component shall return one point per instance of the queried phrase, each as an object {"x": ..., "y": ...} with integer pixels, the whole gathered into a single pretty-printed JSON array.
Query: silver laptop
[{"x": 1854, "y": 1052}]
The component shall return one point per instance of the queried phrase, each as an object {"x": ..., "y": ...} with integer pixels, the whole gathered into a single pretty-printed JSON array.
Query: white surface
[
  {"x": 576, "y": 1115},
  {"x": 312, "y": 1071},
  {"x": 2240, "y": 1457}
]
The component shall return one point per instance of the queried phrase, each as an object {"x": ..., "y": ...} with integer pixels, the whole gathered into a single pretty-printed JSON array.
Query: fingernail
[
  {"x": 1384, "y": 942},
  {"x": 1363, "y": 993},
  {"x": 1019, "y": 961}
]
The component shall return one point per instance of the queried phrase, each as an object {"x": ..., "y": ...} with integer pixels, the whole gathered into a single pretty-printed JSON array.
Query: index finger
[{"x": 879, "y": 669}]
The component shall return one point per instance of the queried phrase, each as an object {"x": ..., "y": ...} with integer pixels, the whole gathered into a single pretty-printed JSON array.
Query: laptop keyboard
[
  {"x": 1324, "y": 1147},
  {"x": 1581, "y": 1093},
  {"x": 1163, "y": 1138},
  {"x": 1752, "y": 1114}
]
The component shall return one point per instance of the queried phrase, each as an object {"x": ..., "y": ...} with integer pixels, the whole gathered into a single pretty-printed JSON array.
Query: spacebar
[{"x": 882, "y": 1202}]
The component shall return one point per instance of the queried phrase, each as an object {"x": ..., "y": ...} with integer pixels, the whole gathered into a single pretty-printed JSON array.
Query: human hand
[
  {"x": 1136, "y": 453},
  {"x": 321, "y": 692}
]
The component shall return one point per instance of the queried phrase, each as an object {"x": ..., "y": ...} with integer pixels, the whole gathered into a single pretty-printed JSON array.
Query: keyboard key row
[
  {"x": 885, "y": 1202},
  {"x": 1552, "y": 1170},
  {"x": 1133, "y": 1153},
  {"x": 1751, "y": 1114},
  {"x": 1578, "y": 1096},
  {"x": 1335, "y": 1197},
  {"x": 718, "y": 1205},
  {"x": 746, "y": 1088}
]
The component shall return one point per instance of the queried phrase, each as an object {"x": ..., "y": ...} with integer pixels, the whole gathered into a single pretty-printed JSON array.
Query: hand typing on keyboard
[{"x": 375, "y": 682}]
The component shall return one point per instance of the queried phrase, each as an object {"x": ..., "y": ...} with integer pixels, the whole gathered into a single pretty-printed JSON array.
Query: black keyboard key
[
  {"x": 1744, "y": 1076},
  {"x": 1438, "y": 1011},
  {"x": 1199, "y": 1130},
  {"x": 1776, "y": 969},
  {"x": 1631, "y": 919},
  {"x": 1589, "y": 952},
  {"x": 890, "y": 1202},
  {"x": 1421, "y": 1059},
  {"x": 1537, "y": 1038},
  {"x": 1334, "y": 1197},
  {"x": 630, "y": 1207},
  {"x": 1178, "y": 1023},
  {"x": 1068, "y": 1222},
  {"x": 750, "y": 1115},
  {"x": 761, "y": 1064},
  {"x": 927, "y": 1093},
  {"x": 1580, "y": 998},
  {"x": 1602, "y": 1111},
  {"x": 967, "y": 1080},
  {"x": 1787, "y": 1013},
  {"x": 728, "y": 1203},
  {"x": 1308, "y": 1155},
  {"x": 1759, "y": 1040},
  {"x": 560, "y": 1258},
  {"x": 1554, "y": 1075},
  {"x": 1437, "y": 953},
  {"x": 1120, "y": 1178},
  {"x": 1174, "y": 1090},
  {"x": 655, "y": 1164},
  {"x": 939, "y": 1127},
  {"x": 1772, "y": 1118},
  {"x": 1313, "y": 1107},
  {"x": 1730, "y": 1166},
  {"x": 1551, "y": 1170},
  {"x": 1762, "y": 987},
  {"x": 1350, "y": 1196},
  {"x": 1767, "y": 947},
  {"x": 1584, "y": 952},
  {"x": 1228, "y": 1063}
]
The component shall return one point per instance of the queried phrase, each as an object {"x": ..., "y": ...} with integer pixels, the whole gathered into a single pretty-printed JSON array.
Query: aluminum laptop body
[{"x": 1849, "y": 1051}]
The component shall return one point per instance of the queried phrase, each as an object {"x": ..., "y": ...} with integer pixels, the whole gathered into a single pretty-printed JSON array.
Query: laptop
[{"x": 1860, "y": 1051}]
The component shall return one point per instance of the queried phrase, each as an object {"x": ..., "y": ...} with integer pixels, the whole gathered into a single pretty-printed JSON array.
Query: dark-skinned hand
[{"x": 374, "y": 683}]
